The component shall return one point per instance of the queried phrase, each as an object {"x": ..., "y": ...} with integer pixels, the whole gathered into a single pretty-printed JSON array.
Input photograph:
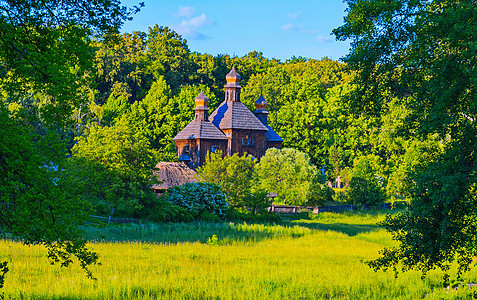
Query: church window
[
  {"x": 248, "y": 141},
  {"x": 186, "y": 148},
  {"x": 214, "y": 148}
]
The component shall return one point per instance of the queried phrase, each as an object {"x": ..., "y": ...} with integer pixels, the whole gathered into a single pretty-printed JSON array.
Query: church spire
[
  {"x": 232, "y": 89},
  {"x": 201, "y": 109},
  {"x": 261, "y": 106}
]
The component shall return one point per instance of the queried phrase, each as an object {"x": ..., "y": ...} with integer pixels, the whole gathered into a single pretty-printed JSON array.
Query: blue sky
[{"x": 278, "y": 28}]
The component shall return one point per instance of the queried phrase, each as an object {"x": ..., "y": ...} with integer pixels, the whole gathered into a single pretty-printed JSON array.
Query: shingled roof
[
  {"x": 197, "y": 129},
  {"x": 272, "y": 136},
  {"x": 235, "y": 115}
]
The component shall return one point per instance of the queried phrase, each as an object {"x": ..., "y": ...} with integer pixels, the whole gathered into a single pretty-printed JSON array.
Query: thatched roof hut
[{"x": 171, "y": 174}]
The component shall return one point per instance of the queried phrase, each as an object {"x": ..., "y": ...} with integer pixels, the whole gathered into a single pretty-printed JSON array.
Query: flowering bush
[{"x": 199, "y": 198}]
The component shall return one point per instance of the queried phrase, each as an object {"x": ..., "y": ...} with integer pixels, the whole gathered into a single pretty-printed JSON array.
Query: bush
[
  {"x": 158, "y": 209},
  {"x": 200, "y": 199},
  {"x": 319, "y": 194},
  {"x": 290, "y": 174},
  {"x": 341, "y": 195},
  {"x": 366, "y": 185},
  {"x": 366, "y": 192},
  {"x": 246, "y": 216}
]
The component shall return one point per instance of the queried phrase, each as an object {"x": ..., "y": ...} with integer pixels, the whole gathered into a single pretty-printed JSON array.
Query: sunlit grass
[{"x": 250, "y": 261}]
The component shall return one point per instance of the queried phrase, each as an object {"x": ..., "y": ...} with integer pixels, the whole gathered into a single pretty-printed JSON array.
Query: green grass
[{"x": 320, "y": 258}]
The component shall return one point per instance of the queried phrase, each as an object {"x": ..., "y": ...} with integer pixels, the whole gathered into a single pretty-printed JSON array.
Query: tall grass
[
  {"x": 248, "y": 261},
  {"x": 193, "y": 232}
]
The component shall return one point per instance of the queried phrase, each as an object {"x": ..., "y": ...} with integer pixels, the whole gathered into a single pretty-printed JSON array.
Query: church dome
[
  {"x": 233, "y": 76},
  {"x": 261, "y": 103},
  {"x": 201, "y": 100}
]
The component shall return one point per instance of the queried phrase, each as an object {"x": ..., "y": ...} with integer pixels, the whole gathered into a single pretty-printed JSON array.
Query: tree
[
  {"x": 120, "y": 160},
  {"x": 39, "y": 201},
  {"x": 45, "y": 50},
  {"x": 120, "y": 65},
  {"x": 290, "y": 174},
  {"x": 366, "y": 185},
  {"x": 45, "y": 47},
  {"x": 234, "y": 174},
  {"x": 424, "y": 51},
  {"x": 169, "y": 56}
]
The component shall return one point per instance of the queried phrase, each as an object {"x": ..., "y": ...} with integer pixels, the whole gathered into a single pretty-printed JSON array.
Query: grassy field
[{"x": 320, "y": 258}]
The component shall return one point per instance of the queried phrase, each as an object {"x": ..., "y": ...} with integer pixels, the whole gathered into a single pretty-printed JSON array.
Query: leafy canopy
[{"x": 424, "y": 53}]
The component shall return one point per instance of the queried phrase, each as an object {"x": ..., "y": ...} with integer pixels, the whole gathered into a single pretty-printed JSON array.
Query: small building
[
  {"x": 170, "y": 174},
  {"x": 231, "y": 128}
]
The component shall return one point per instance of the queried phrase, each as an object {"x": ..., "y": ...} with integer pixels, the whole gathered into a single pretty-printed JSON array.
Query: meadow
[{"x": 302, "y": 258}]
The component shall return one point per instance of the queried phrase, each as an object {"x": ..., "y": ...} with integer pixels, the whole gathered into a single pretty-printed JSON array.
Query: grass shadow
[{"x": 348, "y": 229}]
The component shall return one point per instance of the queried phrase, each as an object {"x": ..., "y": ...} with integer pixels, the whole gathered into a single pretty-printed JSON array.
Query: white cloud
[
  {"x": 294, "y": 15},
  {"x": 289, "y": 27},
  {"x": 189, "y": 28},
  {"x": 323, "y": 39},
  {"x": 186, "y": 11}
]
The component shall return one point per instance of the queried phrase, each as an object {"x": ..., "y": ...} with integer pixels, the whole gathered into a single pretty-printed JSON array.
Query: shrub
[
  {"x": 234, "y": 174},
  {"x": 290, "y": 173},
  {"x": 199, "y": 199},
  {"x": 364, "y": 191},
  {"x": 366, "y": 185},
  {"x": 158, "y": 209}
]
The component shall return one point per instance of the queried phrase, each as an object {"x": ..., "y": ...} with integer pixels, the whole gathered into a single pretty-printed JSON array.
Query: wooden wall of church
[{"x": 248, "y": 141}]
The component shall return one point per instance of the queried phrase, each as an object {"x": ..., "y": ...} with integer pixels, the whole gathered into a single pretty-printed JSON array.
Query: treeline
[{"x": 146, "y": 82}]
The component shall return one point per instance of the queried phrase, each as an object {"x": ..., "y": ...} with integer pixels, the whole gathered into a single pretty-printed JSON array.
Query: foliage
[
  {"x": 434, "y": 238},
  {"x": 39, "y": 202},
  {"x": 290, "y": 174},
  {"x": 117, "y": 161},
  {"x": 200, "y": 199},
  {"x": 45, "y": 47},
  {"x": 417, "y": 52},
  {"x": 258, "y": 201},
  {"x": 121, "y": 67},
  {"x": 168, "y": 55},
  {"x": 115, "y": 107},
  {"x": 234, "y": 174}
]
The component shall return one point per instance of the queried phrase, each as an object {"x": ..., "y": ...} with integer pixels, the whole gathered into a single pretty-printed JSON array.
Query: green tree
[
  {"x": 426, "y": 51},
  {"x": 39, "y": 201},
  {"x": 120, "y": 66},
  {"x": 45, "y": 50},
  {"x": 234, "y": 174},
  {"x": 45, "y": 45},
  {"x": 367, "y": 185},
  {"x": 169, "y": 56},
  {"x": 115, "y": 107},
  {"x": 122, "y": 160},
  {"x": 290, "y": 174}
]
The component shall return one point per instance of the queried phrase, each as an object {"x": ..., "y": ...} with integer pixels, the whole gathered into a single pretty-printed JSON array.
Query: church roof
[
  {"x": 235, "y": 115},
  {"x": 197, "y": 129},
  {"x": 272, "y": 136}
]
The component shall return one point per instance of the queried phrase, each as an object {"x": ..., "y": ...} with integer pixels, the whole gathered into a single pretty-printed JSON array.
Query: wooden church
[{"x": 231, "y": 128}]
